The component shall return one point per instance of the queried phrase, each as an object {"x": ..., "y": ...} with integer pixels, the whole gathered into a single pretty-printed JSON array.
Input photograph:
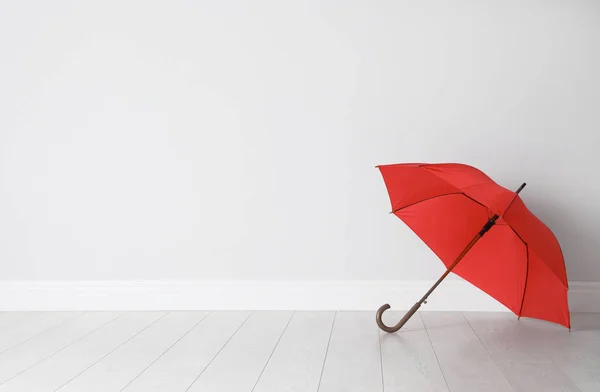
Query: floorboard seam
[
  {"x": 273, "y": 351},
  {"x": 488, "y": 352},
  {"x": 218, "y": 352},
  {"x": 434, "y": 353},
  {"x": 166, "y": 351},
  {"x": 43, "y": 332},
  {"x": 58, "y": 351},
  {"x": 326, "y": 351},
  {"x": 111, "y": 351},
  {"x": 381, "y": 361}
]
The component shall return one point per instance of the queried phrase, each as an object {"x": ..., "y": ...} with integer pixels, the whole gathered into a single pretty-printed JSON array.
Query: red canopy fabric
[{"x": 518, "y": 262}]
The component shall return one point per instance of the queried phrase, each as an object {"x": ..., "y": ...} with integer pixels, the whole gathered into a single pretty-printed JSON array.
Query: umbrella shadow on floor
[
  {"x": 585, "y": 322},
  {"x": 579, "y": 322}
]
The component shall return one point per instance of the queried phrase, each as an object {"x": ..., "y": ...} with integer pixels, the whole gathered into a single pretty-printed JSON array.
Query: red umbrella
[{"x": 483, "y": 233}]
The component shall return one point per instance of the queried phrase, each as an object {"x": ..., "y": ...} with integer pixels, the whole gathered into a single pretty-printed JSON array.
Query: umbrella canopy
[{"x": 518, "y": 261}]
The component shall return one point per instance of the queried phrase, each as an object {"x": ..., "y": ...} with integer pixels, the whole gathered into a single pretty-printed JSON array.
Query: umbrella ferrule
[{"x": 488, "y": 225}]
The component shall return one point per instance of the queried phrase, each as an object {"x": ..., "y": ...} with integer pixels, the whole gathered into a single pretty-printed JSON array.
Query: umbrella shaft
[
  {"x": 458, "y": 259},
  {"x": 484, "y": 230},
  {"x": 489, "y": 224}
]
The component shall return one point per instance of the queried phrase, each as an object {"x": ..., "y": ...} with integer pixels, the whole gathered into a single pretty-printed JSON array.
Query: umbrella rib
[
  {"x": 510, "y": 205},
  {"x": 526, "y": 268},
  {"x": 435, "y": 197},
  {"x": 526, "y": 276},
  {"x": 469, "y": 197},
  {"x": 527, "y": 245},
  {"x": 462, "y": 190},
  {"x": 553, "y": 273},
  {"x": 421, "y": 201}
]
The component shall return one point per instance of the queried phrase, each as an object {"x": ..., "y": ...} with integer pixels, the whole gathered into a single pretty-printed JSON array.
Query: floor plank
[
  {"x": 503, "y": 337},
  {"x": 240, "y": 363},
  {"x": 67, "y": 364},
  {"x": 537, "y": 377},
  {"x": 465, "y": 362},
  {"x": 31, "y": 326},
  {"x": 43, "y": 346},
  {"x": 409, "y": 362},
  {"x": 353, "y": 361},
  {"x": 586, "y": 375},
  {"x": 115, "y": 371},
  {"x": 580, "y": 362},
  {"x": 576, "y": 353},
  {"x": 177, "y": 369},
  {"x": 297, "y": 361}
]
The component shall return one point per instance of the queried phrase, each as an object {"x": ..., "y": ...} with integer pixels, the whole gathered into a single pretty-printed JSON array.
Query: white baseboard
[{"x": 454, "y": 295}]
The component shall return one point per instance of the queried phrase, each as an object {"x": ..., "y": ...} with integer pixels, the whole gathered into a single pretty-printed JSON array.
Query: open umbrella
[{"x": 483, "y": 233}]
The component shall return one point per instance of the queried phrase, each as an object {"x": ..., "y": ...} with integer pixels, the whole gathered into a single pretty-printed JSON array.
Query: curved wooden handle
[
  {"x": 400, "y": 324},
  {"x": 486, "y": 227}
]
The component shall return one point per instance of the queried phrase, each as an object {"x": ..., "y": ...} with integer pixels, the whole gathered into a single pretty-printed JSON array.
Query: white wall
[{"x": 235, "y": 140}]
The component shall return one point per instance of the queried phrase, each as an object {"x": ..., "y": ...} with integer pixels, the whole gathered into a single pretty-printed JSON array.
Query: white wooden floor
[{"x": 294, "y": 351}]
